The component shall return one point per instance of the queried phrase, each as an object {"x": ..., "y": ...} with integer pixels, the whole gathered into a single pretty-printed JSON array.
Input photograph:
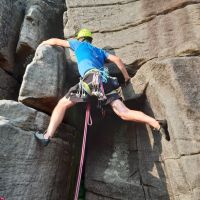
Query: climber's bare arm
[
  {"x": 120, "y": 65},
  {"x": 56, "y": 42}
]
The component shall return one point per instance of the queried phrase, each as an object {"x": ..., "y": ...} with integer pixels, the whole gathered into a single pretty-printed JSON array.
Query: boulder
[
  {"x": 162, "y": 170},
  {"x": 47, "y": 79},
  {"x": 43, "y": 20},
  {"x": 44, "y": 81},
  {"x": 28, "y": 170},
  {"x": 11, "y": 17},
  {"x": 172, "y": 91},
  {"x": 9, "y": 87}
]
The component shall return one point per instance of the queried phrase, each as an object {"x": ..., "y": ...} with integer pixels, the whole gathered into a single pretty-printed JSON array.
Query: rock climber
[{"x": 95, "y": 81}]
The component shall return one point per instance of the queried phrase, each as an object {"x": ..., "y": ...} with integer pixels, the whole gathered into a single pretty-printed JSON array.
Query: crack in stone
[
  {"x": 137, "y": 64},
  {"x": 98, "y": 181},
  {"x": 140, "y": 176},
  {"x": 127, "y": 26},
  {"x": 102, "y": 5},
  {"x": 9, "y": 74},
  {"x": 126, "y": 45},
  {"x": 142, "y": 185},
  {"x": 182, "y": 155},
  {"x": 188, "y": 139},
  {"x": 149, "y": 194},
  {"x": 151, "y": 17},
  {"x": 133, "y": 173},
  {"x": 148, "y": 185},
  {"x": 179, "y": 6},
  {"x": 100, "y": 195},
  {"x": 191, "y": 154}
]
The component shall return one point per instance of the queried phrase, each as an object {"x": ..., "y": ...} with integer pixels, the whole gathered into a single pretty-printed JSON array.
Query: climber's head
[{"x": 84, "y": 35}]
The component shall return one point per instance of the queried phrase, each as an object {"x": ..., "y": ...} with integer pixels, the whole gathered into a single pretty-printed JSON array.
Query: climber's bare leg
[
  {"x": 131, "y": 115},
  {"x": 58, "y": 115}
]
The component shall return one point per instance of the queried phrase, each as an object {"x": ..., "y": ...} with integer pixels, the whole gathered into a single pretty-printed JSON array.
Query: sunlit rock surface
[
  {"x": 29, "y": 170},
  {"x": 159, "y": 43}
]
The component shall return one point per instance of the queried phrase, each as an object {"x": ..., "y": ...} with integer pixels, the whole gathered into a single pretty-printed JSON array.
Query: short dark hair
[{"x": 87, "y": 39}]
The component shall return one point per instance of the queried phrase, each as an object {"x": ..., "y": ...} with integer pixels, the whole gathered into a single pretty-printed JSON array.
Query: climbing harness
[
  {"x": 88, "y": 121},
  {"x": 91, "y": 84}
]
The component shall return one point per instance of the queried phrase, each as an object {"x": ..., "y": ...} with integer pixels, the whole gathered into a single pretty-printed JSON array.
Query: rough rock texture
[
  {"x": 43, "y": 20},
  {"x": 47, "y": 72},
  {"x": 167, "y": 32},
  {"x": 125, "y": 161},
  {"x": 178, "y": 101},
  {"x": 28, "y": 170},
  {"x": 9, "y": 87},
  {"x": 166, "y": 170},
  {"x": 39, "y": 22},
  {"x": 151, "y": 29},
  {"x": 128, "y": 165},
  {"x": 11, "y": 17},
  {"x": 172, "y": 89}
]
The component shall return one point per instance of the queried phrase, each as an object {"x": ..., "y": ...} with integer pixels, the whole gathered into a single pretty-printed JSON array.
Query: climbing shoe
[
  {"x": 164, "y": 129},
  {"x": 40, "y": 137}
]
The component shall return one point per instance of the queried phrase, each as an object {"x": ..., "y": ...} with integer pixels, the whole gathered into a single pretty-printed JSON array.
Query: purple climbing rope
[{"x": 88, "y": 121}]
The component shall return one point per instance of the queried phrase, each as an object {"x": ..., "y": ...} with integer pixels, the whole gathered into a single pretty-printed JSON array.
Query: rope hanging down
[{"x": 88, "y": 121}]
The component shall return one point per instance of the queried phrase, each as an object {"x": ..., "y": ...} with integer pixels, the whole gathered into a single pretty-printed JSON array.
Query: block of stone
[
  {"x": 44, "y": 81},
  {"x": 43, "y": 20},
  {"x": 173, "y": 93},
  {"x": 29, "y": 170},
  {"x": 11, "y": 17}
]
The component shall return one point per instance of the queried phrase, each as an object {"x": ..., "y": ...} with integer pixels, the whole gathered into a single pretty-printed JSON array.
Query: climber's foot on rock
[{"x": 40, "y": 138}]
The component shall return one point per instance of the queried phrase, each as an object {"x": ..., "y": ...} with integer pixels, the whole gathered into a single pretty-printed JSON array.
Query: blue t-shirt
[{"x": 88, "y": 56}]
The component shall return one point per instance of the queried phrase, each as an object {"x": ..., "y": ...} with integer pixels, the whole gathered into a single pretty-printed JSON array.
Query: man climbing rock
[{"x": 95, "y": 81}]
